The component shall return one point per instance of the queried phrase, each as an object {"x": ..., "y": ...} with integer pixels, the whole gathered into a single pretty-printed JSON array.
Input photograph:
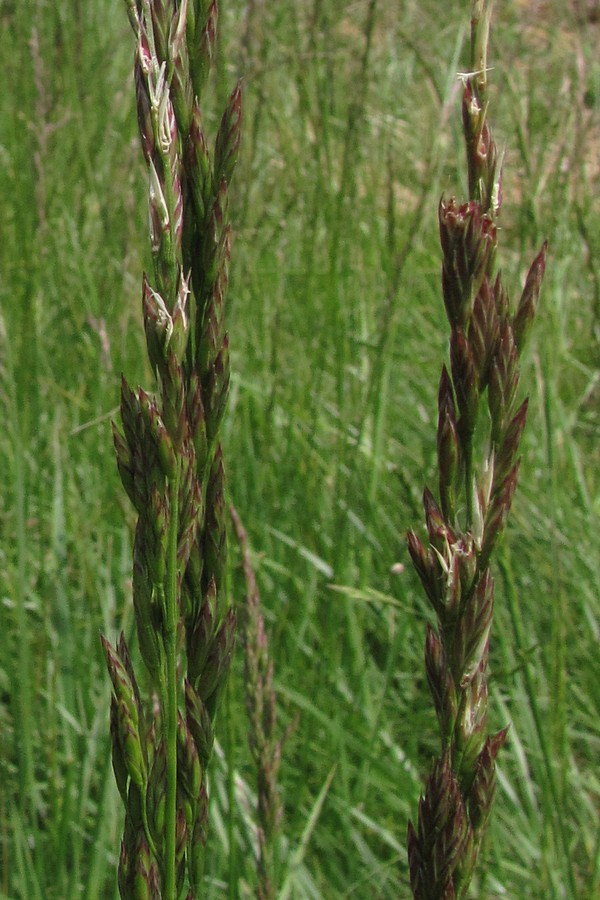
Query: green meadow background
[{"x": 352, "y": 133}]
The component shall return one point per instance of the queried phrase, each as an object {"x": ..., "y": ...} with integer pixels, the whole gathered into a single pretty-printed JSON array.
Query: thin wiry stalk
[
  {"x": 265, "y": 745},
  {"x": 23, "y": 668},
  {"x": 170, "y": 461},
  {"x": 477, "y": 481}
]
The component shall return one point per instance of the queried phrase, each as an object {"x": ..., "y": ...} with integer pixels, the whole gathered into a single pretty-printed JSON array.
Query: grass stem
[{"x": 170, "y": 698}]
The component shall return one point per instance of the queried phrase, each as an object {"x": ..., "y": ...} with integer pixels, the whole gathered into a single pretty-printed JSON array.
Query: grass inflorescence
[
  {"x": 481, "y": 420},
  {"x": 170, "y": 461}
]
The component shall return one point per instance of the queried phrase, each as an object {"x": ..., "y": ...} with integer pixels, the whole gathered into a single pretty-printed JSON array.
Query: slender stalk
[
  {"x": 22, "y": 692},
  {"x": 170, "y": 698},
  {"x": 265, "y": 745},
  {"x": 353, "y": 122}
]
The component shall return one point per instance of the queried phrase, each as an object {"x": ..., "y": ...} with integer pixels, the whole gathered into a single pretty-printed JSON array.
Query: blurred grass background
[{"x": 352, "y": 132}]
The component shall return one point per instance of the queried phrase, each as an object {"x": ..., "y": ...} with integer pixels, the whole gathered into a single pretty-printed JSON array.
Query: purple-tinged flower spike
[
  {"x": 170, "y": 459},
  {"x": 475, "y": 500}
]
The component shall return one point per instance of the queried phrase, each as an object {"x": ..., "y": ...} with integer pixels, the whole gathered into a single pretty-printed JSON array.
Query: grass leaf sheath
[
  {"x": 480, "y": 423},
  {"x": 170, "y": 462}
]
